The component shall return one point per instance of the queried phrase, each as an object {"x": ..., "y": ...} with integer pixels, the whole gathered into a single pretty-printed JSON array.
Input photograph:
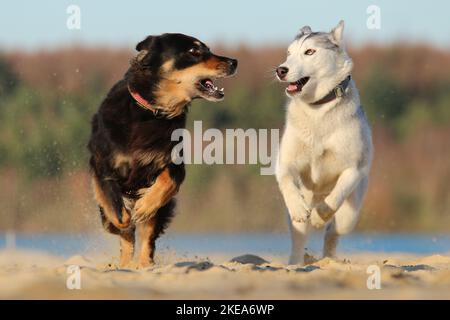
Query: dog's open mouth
[
  {"x": 297, "y": 86},
  {"x": 209, "y": 90}
]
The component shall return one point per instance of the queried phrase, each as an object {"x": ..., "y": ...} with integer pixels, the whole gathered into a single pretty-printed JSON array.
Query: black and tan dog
[{"x": 134, "y": 178}]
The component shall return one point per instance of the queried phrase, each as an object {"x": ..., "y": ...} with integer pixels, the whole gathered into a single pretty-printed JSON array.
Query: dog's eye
[
  {"x": 310, "y": 52},
  {"x": 195, "y": 52}
]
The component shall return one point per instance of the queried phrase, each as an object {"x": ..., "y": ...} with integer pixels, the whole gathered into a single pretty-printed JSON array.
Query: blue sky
[{"x": 40, "y": 24}]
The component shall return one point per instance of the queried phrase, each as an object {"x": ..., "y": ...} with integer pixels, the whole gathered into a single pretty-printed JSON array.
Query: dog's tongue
[
  {"x": 209, "y": 83},
  {"x": 292, "y": 87}
]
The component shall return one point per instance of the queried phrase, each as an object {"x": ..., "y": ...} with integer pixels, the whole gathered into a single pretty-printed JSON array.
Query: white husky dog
[{"x": 326, "y": 149}]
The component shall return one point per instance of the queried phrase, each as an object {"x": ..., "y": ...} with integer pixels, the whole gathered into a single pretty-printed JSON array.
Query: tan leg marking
[
  {"x": 155, "y": 197},
  {"x": 146, "y": 254},
  {"x": 127, "y": 241}
]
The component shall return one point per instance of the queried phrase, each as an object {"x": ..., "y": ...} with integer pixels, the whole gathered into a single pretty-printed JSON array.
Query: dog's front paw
[
  {"x": 144, "y": 210},
  {"x": 321, "y": 214},
  {"x": 300, "y": 215},
  {"x": 299, "y": 210},
  {"x": 300, "y": 218},
  {"x": 124, "y": 220},
  {"x": 316, "y": 220}
]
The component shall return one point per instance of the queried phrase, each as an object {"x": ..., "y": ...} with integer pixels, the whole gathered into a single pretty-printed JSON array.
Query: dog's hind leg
[
  {"x": 344, "y": 220},
  {"x": 147, "y": 239},
  {"x": 331, "y": 240},
  {"x": 299, "y": 232},
  {"x": 343, "y": 223},
  {"x": 150, "y": 230},
  {"x": 127, "y": 241}
]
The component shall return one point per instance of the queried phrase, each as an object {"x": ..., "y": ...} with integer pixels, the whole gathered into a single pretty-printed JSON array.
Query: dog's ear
[
  {"x": 146, "y": 43},
  {"x": 306, "y": 30},
  {"x": 141, "y": 55},
  {"x": 303, "y": 31},
  {"x": 337, "y": 34},
  {"x": 145, "y": 48}
]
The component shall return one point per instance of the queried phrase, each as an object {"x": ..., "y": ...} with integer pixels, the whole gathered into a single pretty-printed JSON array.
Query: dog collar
[
  {"x": 141, "y": 102},
  {"x": 337, "y": 92}
]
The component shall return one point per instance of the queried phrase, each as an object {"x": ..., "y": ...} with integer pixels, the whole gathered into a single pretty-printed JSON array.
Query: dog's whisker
[
  {"x": 270, "y": 76},
  {"x": 274, "y": 80},
  {"x": 271, "y": 70}
]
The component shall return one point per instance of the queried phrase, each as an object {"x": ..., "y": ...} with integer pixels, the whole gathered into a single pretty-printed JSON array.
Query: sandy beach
[{"x": 37, "y": 275}]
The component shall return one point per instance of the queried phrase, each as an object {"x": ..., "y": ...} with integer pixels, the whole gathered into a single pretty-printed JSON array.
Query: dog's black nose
[
  {"x": 282, "y": 72},
  {"x": 233, "y": 64}
]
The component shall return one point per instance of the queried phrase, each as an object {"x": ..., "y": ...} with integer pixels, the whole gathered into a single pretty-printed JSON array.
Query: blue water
[{"x": 277, "y": 244}]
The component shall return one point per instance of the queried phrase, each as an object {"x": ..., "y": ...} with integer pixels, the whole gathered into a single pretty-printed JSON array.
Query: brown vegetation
[{"x": 404, "y": 88}]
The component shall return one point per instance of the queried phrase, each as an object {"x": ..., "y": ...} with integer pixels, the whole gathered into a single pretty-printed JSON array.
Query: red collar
[{"x": 141, "y": 102}]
